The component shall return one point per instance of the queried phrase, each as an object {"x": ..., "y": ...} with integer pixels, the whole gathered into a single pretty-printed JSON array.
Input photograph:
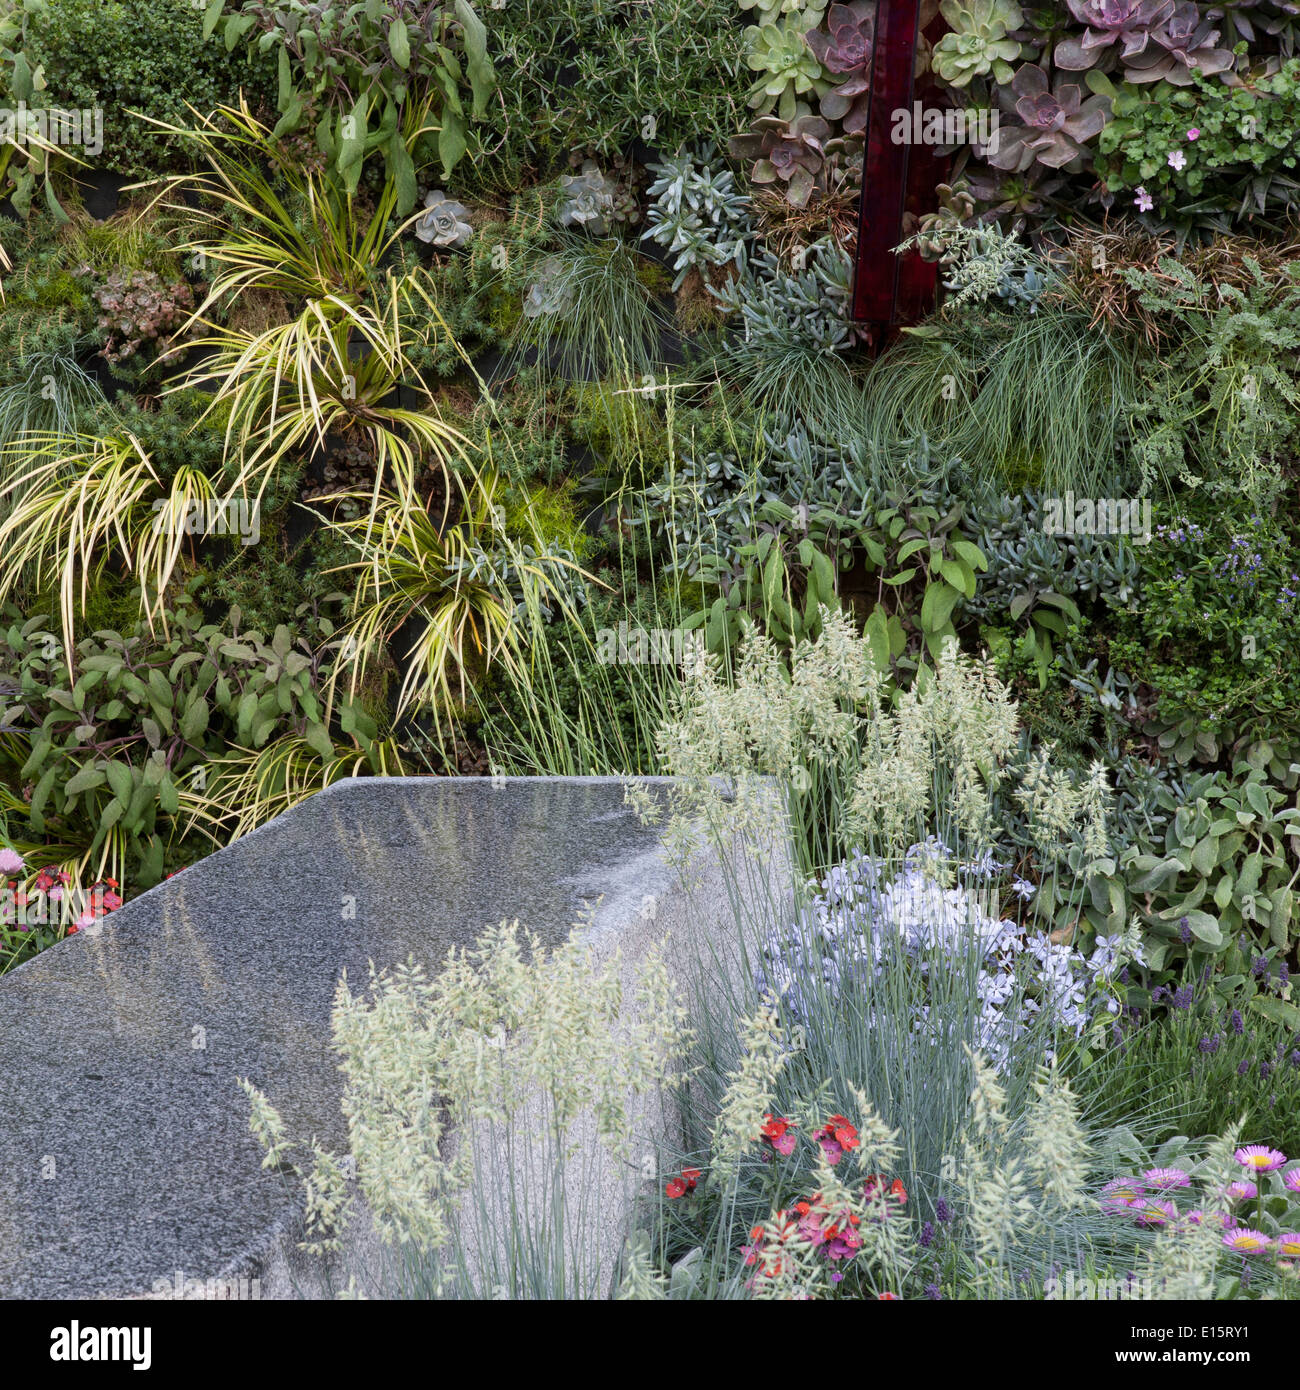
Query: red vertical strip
[{"x": 896, "y": 179}]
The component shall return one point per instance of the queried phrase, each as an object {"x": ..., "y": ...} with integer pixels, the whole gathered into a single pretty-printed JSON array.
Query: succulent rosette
[
  {"x": 444, "y": 223},
  {"x": 1130, "y": 24},
  {"x": 1186, "y": 45},
  {"x": 589, "y": 197},
  {"x": 789, "y": 152},
  {"x": 1056, "y": 124},
  {"x": 844, "y": 49},
  {"x": 788, "y": 68},
  {"x": 979, "y": 42}
]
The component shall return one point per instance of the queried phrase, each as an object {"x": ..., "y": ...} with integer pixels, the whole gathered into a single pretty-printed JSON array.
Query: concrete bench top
[{"x": 125, "y": 1153}]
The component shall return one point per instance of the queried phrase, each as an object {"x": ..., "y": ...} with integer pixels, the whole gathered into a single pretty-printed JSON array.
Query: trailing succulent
[
  {"x": 1029, "y": 566},
  {"x": 978, "y": 43},
  {"x": 715, "y": 501},
  {"x": 1040, "y": 579},
  {"x": 808, "y": 306}
]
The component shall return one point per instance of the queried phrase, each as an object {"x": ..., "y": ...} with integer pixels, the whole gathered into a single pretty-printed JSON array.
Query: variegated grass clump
[{"x": 467, "y": 1099}]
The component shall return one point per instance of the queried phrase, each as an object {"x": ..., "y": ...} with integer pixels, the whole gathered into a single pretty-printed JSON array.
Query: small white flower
[
  {"x": 1143, "y": 200},
  {"x": 1177, "y": 159}
]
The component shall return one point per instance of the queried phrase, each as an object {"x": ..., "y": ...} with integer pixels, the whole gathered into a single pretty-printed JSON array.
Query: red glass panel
[{"x": 898, "y": 180}]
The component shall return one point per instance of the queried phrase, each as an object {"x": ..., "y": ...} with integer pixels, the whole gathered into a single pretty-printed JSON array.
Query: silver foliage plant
[
  {"x": 589, "y": 199},
  {"x": 444, "y": 223},
  {"x": 697, "y": 213},
  {"x": 808, "y": 306}
]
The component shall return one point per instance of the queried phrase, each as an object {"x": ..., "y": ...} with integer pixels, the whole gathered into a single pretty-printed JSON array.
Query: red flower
[
  {"x": 836, "y": 1136},
  {"x": 893, "y": 1297},
  {"x": 877, "y": 1182},
  {"x": 678, "y": 1187},
  {"x": 778, "y": 1134}
]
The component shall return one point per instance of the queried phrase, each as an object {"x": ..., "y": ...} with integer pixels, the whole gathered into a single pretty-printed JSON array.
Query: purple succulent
[
  {"x": 844, "y": 49},
  {"x": 1185, "y": 44},
  {"x": 845, "y": 44},
  {"x": 790, "y": 151},
  {"x": 1057, "y": 124},
  {"x": 1017, "y": 194},
  {"x": 1130, "y": 23}
]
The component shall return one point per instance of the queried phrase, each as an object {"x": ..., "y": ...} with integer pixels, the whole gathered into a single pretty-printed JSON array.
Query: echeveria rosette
[
  {"x": 1020, "y": 194},
  {"x": 1128, "y": 23},
  {"x": 978, "y": 43},
  {"x": 788, "y": 68},
  {"x": 844, "y": 49},
  {"x": 588, "y": 199},
  {"x": 1057, "y": 124},
  {"x": 551, "y": 294},
  {"x": 770, "y": 11},
  {"x": 1185, "y": 45},
  {"x": 789, "y": 152},
  {"x": 1241, "y": 16},
  {"x": 444, "y": 223}
]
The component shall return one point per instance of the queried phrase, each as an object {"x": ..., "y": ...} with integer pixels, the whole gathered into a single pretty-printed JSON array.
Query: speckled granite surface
[{"x": 119, "y": 1053}]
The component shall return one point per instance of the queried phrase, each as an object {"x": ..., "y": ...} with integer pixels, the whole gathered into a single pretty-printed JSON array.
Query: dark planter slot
[{"x": 101, "y": 191}]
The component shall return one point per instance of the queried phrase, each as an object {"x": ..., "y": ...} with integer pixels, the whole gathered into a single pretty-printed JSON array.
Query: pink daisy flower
[
  {"x": 1241, "y": 1191},
  {"x": 1166, "y": 1179},
  {"x": 1259, "y": 1158},
  {"x": 1288, "y": 1244},
  {"x": 1247, "y": 1242},
  {"x": 1291, "y": 1180},
  {"x": 1153, "y": 1213},
  {"x": 1121, "y": 1194}
]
